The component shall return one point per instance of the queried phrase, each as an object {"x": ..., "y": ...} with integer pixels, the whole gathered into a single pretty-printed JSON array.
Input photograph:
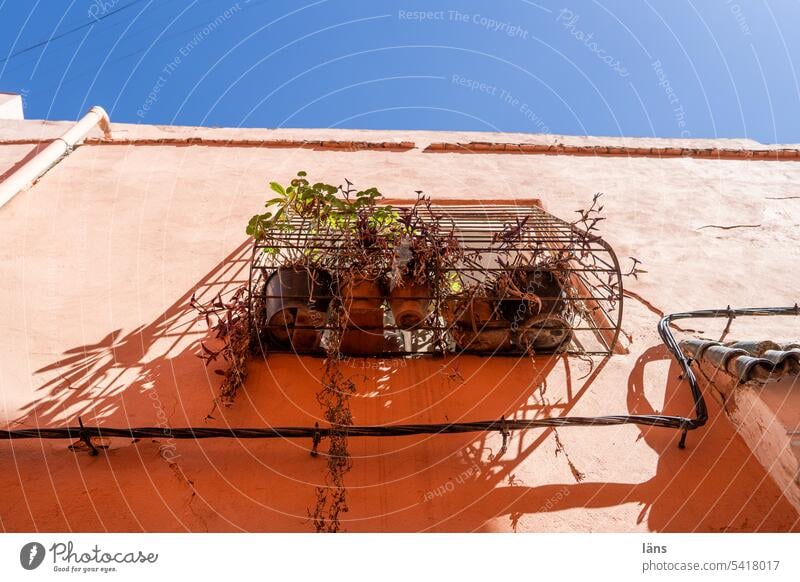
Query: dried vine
[
  {"x": 229, "y": 323},
  {"x": 363, "y": 241},
  {"x": 334, "y": 398}
]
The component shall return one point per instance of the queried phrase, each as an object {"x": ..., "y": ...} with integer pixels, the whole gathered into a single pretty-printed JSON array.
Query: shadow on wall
[
  {"x": 128, "y": 377},
  {"x": 151, "y": 376},
  {"x": 715, "y": 485}
]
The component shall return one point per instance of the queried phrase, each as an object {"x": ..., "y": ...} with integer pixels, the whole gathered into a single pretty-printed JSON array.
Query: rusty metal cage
[{"x": 581, "y": 312}]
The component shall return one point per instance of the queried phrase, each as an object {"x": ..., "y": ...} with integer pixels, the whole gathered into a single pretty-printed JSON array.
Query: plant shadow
[
  {"x": 151, "y": 376},
  {"x": 715, "y": 485}
]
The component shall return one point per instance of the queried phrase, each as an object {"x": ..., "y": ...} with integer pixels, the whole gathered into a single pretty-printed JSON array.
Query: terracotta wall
[
  {"x": 99, "y": 260},
  {"x": 767, "y": 417}
]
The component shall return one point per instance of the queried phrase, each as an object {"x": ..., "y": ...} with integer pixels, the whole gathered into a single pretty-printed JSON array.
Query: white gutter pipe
[{"x": 61, "y": 147}]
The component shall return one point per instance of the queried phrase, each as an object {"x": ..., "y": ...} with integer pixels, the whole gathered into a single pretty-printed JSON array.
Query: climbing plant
[{"x": 347, "y": 239}]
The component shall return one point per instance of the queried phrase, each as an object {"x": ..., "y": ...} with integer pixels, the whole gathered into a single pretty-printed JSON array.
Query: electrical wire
[
  {"x": 503, "y": 426},
  {"x": 70, "y": 31}
]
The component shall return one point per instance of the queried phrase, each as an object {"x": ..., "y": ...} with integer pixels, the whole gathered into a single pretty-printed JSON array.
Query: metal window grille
[{"x": 581, "y": 311}]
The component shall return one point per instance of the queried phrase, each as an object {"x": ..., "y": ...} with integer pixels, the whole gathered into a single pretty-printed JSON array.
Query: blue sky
[{"x": 665, "y": 68}]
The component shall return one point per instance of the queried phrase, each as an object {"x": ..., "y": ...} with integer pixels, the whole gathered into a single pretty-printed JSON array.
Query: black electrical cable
[
  {"x": 503, "y": 426},
  {"x": 353, "y": 431},
  {"x": 68, "y": 32}
]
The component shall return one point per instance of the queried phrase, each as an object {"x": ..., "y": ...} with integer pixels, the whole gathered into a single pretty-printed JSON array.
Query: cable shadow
[{"x": 715, "y": 485}]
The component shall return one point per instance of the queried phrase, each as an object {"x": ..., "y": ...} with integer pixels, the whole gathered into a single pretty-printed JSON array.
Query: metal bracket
[
  {"x": 505, "y": 434},
  {"x": 684, "y": 432},
  {"x": 689, "y": 362},
  {"x": 315, "y": 440},
  {"x": 86, "y": 439}
]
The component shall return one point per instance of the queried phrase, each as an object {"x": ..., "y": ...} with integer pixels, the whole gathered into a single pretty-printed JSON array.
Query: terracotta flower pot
[
  {"x": 539, "y": 282},
  {"x": 410, "y": 304},
  {"x": 364, "y": 338},
  {"x": 492, "y": 337},
  {"x": 295, "y": 306},
  {"x": 360, "y": 295},
  {"x": 363, "y": 317},
  {"x": 544, "y": 333},
  {"x": 475, "y": 325}
]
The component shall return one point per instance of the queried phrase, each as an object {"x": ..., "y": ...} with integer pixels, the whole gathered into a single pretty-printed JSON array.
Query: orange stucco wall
[
  {"x": 99, "y": 260},
  {"x": 767, "y": 416}
]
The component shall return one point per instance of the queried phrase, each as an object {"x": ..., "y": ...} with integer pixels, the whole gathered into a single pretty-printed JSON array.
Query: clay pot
[
  {"x": 360, "y": 295},
  {"x": 475, "y": 325},
  {"x": 295, "y": 305},
  {"x": 540, "y": 282},
  {"x": 363, "y": 335},
  {"x": 363, "y": 326},
  {"x": 410, "y": 304},
  {"x": 492, "y": 337},
  {"x": 544, "y": 333}
]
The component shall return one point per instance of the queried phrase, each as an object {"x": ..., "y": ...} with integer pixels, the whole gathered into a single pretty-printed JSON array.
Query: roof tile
[{"x": 747, "y": 360}]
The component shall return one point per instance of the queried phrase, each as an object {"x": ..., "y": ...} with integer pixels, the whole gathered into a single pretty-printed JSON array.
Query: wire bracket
[
  {"x": 86, "y": 439},
  {"x": 315, "y": 440},
  {"x": 689, "y": 362},
  {"x": 684, "y": 432},
  {"x": 505, "y": 433}
]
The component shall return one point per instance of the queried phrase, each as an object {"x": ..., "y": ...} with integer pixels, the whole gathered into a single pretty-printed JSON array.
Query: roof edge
[{"x": 17, "y": 132}]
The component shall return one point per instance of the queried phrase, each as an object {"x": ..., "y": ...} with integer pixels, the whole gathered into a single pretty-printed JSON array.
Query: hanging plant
[
  {"x": 229, "y": 322},
  {"x": 341, "y": 274},
  {"x": 338, "y": 258}
]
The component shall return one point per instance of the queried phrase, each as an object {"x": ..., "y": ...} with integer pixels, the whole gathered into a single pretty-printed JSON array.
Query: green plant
[
  {"x": 298, "y": 206},
  {"x": 363, "y": 228},
  {"x": 349, "y": 234},
  {"x": 360, "y": 242}
]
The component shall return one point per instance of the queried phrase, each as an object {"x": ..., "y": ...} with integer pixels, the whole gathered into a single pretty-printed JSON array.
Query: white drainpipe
[{"x": 53, "y": 153}]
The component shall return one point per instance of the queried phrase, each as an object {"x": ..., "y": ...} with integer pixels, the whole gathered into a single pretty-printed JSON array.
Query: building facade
[{"x": 102, "y": 255}]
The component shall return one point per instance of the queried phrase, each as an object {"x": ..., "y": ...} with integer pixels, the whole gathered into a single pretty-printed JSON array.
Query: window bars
[{"x": 481, "y": 303}]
